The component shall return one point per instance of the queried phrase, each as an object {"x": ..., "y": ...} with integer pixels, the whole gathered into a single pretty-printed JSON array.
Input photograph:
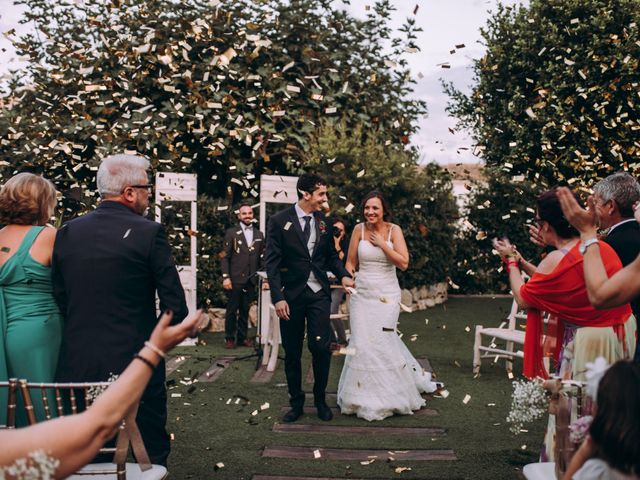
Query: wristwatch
[{"x": 586, "y": 244}]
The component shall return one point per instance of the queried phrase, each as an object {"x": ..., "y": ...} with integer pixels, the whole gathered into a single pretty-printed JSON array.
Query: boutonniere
[{"x": 323, "y": 227}]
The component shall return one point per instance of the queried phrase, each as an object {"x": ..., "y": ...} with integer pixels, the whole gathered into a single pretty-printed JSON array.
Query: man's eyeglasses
[{"x": 148, "y": 186}]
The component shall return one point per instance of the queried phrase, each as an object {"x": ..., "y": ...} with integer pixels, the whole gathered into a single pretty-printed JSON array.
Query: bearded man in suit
[{"x": 242, "y": 258}]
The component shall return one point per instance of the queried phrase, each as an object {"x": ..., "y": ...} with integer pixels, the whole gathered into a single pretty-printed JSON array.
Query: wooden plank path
[
  {"x": 174, "y": 362},
  {"x": 311, "y": 410},
  {"x": 358, "y": 430},
  {"x": 308, "y": 453},
  {"x": 262, "y": 375},
  {"x": 218, "y": 366},
  {"x": 281, "y": 477}
]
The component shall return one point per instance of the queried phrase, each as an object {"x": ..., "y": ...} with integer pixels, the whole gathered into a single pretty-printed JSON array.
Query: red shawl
[{"x": 563, "y": 293}]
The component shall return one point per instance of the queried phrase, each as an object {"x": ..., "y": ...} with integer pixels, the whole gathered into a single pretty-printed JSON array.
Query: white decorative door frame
[
  {"x": 181, "y": 187},
  {"x": 273, "y": 189}
]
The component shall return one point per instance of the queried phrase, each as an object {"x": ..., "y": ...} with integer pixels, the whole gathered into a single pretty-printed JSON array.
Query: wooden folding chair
[
  {"x": 9, "y": 388},
  {"x": 506, "y": 332},
  {"x": 562, "y": 391},
  {"x": 72, "y": 398}
]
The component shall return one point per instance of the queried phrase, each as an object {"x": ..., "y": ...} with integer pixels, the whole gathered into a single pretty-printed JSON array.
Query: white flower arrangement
[
  {"x": 528, "y": 403},
  {"x": 94, "y": 392},
  {"x": 37, "y": 466}
]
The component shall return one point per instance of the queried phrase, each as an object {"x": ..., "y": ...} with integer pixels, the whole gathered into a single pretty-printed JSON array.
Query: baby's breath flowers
[{"x": 528, "y": 403}]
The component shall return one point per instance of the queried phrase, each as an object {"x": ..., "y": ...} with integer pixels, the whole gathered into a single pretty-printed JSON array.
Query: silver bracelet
[{"x": 155, "y": 349}]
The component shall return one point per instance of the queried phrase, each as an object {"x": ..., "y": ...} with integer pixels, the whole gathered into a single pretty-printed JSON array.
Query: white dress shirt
[{"x": 248, "y": 233}]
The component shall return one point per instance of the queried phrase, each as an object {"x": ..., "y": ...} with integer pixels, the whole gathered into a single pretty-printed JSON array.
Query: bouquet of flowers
[{"x": 528, "y": 403}]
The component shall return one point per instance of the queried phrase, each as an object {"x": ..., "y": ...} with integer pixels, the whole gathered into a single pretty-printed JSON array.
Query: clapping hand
[
  {"x": 583, "y": 220},
  {"x": 535, "y": 236},
  {"x": 504, "y": 247}
]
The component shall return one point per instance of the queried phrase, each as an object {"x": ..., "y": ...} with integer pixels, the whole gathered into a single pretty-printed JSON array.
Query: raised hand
[
  {"x": 504, "y": 247},
  {"x": 583, "y": 220},
  {"x": 535, "y": 236},
  {"x": 166, "y": 336}
]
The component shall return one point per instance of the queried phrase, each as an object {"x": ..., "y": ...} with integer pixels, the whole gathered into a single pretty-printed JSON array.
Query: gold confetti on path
[
  {"x": 357, "y": 454},
  {"x": 174, "y": 362},
  {"x": 358, "y": 430},
  {"x": 215, "y": 370}
]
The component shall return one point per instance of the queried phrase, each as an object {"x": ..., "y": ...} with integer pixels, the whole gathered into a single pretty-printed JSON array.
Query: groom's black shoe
[
  {"x": 292, "y": 415},
  {"x": 324, "y": 412}
]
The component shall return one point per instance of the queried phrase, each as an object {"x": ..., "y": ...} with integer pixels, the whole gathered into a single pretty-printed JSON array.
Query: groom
[{"x": 300, "y": 250}]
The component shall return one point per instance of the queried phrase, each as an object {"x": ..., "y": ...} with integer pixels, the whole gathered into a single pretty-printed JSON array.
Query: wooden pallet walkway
[
  {"x": 173, "y": 363},
  {"x": 281, "y": 477},
  {"x": 216, "y": 369},
  {"x": 262, "y": 375},
  {"x": 309, "y": 453},
  {"x": 311, "y": 410},
  {"x": 358, "y": 430}
]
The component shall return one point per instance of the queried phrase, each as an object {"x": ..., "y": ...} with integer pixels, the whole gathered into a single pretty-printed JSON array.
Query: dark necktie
[{"x": 307, "y": 228}]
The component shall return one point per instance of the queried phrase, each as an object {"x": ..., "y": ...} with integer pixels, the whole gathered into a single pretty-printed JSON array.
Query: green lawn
[{"x": 208, "y": 429}]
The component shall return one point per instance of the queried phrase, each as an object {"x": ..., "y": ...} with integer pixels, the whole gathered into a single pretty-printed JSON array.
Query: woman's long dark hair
[
  {"x": 386, "y": 211},
  {"x": 615, "y": 430}
]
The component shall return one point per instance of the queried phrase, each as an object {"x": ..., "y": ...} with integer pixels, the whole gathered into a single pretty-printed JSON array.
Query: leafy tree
[
  {"x": 554, "y": 98},
  {"x": 497, "y": 208},
  {"x": 420, "y": 197},
  {"x": 226, "y": 92}
]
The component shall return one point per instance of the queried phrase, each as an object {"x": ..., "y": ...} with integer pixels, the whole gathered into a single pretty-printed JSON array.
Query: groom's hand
[
  {"x": 282, "y": 309},
  {"x": 348, "y": 282}
]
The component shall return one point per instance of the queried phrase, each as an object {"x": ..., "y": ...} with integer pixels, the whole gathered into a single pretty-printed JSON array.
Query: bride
[{"x": 381, "y": 378}]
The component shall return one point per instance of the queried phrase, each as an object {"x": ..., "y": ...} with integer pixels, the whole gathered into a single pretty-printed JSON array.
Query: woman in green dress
[{"x": 30, "y": 321}]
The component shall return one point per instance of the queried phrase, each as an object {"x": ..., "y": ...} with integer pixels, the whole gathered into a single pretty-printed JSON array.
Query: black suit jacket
[
  {"x": 240, "y": 261},
  {"x": 625, "y": 240},
  {"x": 107, "y": 267},
  {"x": 287, "y": 256}
]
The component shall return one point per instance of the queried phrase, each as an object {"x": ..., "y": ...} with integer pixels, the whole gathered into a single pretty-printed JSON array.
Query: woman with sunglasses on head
[{"x": 579, "y": 332}]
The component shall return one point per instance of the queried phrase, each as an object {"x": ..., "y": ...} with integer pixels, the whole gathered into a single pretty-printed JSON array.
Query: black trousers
[
  {"x": 236, "y": 319},
  {"x": 152, "y": 420},
  {"x": 311, "y": 309}
]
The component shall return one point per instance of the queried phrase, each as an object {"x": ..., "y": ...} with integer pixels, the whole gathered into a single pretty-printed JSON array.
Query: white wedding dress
[{"x": 381, "y": 378}]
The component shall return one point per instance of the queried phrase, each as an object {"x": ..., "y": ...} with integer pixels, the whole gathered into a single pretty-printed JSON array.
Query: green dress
[{"x": 30, "y": 323}]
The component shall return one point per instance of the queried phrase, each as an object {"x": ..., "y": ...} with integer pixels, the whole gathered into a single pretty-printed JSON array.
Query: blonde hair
[{"x": 27, "y": 199}]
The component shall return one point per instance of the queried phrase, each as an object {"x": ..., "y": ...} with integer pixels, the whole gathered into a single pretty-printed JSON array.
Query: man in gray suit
[{"x": 241, "y": 259}]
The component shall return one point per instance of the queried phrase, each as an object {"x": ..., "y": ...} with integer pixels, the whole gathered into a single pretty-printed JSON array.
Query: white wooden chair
[
  {"x": 69, "y": 399},
  {"x": 540, "y": 471},
  {"x": 507, "y": 333}
]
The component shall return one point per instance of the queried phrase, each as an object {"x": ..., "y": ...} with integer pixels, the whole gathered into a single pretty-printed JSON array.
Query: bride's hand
[{"x": 376, "y": 239}]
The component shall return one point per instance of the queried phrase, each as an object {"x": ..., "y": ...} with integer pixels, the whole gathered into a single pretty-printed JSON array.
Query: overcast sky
[{"x": 446, "y": 23}]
